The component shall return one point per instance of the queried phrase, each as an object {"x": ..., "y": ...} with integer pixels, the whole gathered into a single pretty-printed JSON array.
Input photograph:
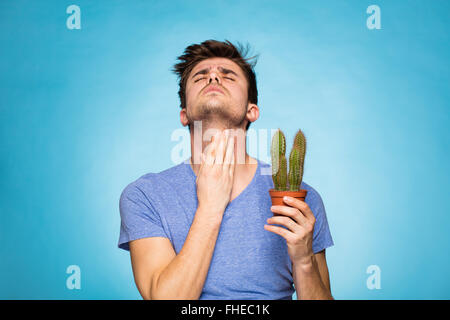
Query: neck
[{"x": 201, "y": 138}]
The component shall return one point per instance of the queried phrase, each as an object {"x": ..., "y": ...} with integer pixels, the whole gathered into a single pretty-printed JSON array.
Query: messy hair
[{"x": 196, "y": 53}]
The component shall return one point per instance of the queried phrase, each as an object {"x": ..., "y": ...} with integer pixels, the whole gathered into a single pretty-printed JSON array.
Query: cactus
[
  {"x": 298, "y": 159},
  {"x": 300, "y": 142},
  {"x": 294, "y": 169},
  {"x": 279, "y": 162},
  {"x": 283, "y": 173}
]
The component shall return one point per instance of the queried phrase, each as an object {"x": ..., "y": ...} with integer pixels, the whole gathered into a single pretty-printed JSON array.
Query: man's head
[{"x": 217, "y": 84}]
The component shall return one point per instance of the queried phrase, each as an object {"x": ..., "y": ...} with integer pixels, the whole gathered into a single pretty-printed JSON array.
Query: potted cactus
[{"x": 280, "y": 175}]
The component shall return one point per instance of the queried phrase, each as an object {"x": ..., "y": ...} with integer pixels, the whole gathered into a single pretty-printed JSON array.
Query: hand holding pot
[
  {"x": 298, "y": 218},
  {"x": 216, "y": 174}
]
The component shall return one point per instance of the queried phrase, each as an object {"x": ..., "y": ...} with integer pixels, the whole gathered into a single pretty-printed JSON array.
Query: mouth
[{"x": 212, "y": 89}]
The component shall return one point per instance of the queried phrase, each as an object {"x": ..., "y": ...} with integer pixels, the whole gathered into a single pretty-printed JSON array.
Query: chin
[{"x": 212, "y": 104}]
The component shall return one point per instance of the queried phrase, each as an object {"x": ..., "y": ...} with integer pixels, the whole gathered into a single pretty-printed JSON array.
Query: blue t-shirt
[{"x": 248, "y": 262}]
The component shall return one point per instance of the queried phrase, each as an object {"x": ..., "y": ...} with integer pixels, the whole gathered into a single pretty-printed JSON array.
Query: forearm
[
  {"x": 185, "y": 276},
  {"x": 308, "y": 282}
]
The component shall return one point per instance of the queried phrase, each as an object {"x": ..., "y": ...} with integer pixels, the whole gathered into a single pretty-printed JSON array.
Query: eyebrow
[{"x": 222, "y": 70}]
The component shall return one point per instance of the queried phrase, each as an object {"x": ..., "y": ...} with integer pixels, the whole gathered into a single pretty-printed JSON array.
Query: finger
[
  {"x": 203, "y": 158},
  {"x": 232, "y": 164},
  {"x": 291, "y": 213},
  {"x": 208, "y": 154},
  {"x": 220, "y": 150},
  {"x": 302, "y": 206},
  {"x": 228, "y": 152},
  {"x": 210, "y": 150},
  {"x": 288, "y": 235},
  {"x": 285, "y": 221}
]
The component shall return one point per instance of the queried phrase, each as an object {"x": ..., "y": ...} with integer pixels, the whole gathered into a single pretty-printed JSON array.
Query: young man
[{"x": 205, "y": 229}]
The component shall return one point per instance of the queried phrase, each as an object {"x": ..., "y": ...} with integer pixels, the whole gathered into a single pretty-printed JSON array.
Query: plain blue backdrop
[{"x": 85, "y": 112}]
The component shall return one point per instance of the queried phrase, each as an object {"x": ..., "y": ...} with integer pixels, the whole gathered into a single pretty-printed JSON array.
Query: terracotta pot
[{"x": 277, "y": 196}]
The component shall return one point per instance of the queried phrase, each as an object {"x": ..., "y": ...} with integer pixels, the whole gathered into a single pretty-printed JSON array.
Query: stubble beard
[{"x": 217, "y": 113}]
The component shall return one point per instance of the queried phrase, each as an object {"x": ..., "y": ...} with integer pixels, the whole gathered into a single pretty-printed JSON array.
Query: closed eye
[{"x": 204, "y": 78}]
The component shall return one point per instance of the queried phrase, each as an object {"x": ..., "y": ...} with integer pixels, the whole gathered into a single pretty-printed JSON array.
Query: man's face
[{"x": 217, "y": 91}]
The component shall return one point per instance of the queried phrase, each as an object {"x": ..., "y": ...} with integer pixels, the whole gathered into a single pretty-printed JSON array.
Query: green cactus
[
  {"x": 278, "y": 143},
  {"x": 300, "y": 142},
  {"x": 294, "y": 169},
  {"x": 279, "y": 162},
  {"x": 283, "y": 173},
  {"x": 296, "y": 161}
]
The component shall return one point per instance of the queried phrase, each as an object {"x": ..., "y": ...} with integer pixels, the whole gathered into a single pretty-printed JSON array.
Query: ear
[
  {"x": 183, "y": 117},
  {"x": 252, "y": 112}
]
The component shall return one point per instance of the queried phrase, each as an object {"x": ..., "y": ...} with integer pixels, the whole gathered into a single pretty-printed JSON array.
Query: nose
[{"x": 214, "y": 77}]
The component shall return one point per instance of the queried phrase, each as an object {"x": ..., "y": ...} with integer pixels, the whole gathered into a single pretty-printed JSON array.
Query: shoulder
[
  {"x": 313, "y": 194},
  {"x": 314, "y": 201},
  {"x": 154, "y": 183}
]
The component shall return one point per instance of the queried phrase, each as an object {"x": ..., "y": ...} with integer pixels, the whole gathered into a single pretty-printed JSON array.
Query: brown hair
[{"x": 195, "y": 53}]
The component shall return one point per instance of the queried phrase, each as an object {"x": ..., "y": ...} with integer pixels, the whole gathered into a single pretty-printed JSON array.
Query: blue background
[{"x": 85, "y": 112}]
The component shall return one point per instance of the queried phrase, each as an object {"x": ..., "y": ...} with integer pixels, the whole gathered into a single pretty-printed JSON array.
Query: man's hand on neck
[{"x": 201, "y": 137}]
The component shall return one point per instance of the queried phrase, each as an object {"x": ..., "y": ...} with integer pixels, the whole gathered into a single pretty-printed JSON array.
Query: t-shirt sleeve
[
  {"x": 322, "y": 236},
  {"x": 139, "y": 218}
]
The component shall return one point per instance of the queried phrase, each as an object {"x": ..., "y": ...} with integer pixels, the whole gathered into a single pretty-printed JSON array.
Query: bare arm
[
  {"x": 160, "y": 273},
  {"x": 310, "y": 271},
  {"x": 312, "y": 281}
]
